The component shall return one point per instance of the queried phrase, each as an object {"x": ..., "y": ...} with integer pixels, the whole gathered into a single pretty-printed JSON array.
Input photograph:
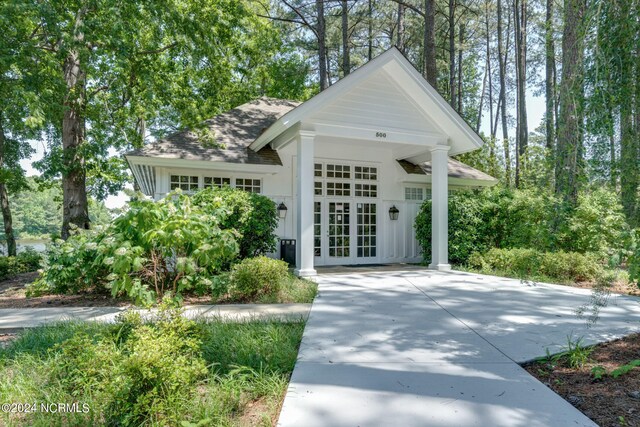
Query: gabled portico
[{"x": 385, "y": 105}]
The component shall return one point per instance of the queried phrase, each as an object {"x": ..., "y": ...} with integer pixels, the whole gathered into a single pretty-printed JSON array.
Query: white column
[
  {"x": 439, "y": 208},
  {"x": 304, "y": 214}
]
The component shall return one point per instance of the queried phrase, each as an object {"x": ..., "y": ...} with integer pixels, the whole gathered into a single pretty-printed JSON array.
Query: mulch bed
[
  {"x": 610, "y": 402},
  {"x": 12, "y": 295}
]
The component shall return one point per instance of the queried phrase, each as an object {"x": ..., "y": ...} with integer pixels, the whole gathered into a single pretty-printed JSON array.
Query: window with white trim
[
  {"x": 250, "y": 185},
  {"x": 366, "y": 172},
  {"x": 183, "y": 182},
  {"x": 338, "y": 189},
  {"x": 413, "y": 193},
  {"x": 339, "y": 171},
  {"x": 317, "y": 170},
  {"x": 366, "y": 190},
  {"x": 318, "y": 188},
  {"x": 215, "y": 181}
]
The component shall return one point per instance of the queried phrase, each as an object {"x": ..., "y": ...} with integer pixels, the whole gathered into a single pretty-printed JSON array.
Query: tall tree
[
  {"x": 569, "y": 141},
  {"x": 400, "y": 28},
  {"x": 322, "y": 48},
  {"x": 346, "y": 61},
  {"x": 502, "y": 59},
  {"x": 20, "y": 110},
  {"x": 550, "y": 76},
  {"x": 452, "y": 53},
  {"x": 522, "y": 131},
  {"x": 430, "y": 63}
]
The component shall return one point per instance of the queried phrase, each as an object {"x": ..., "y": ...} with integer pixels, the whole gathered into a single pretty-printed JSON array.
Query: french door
[{"x": 345, "y": 231}]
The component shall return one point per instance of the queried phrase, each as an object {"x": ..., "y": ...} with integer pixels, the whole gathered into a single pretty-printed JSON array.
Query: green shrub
[
  {"x": 530, "y": 263},
  {"x": 255, "y": 277},
  {"x": 142, "y": 375},
  {"x": 252, "y": 215},
  {"x": 151, "y": 249},
  {"x": 528, "y": 218},
  {"x": 26, "y": 261}
]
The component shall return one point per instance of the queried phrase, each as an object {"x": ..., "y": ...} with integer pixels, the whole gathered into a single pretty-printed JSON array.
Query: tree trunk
[
  {"x": 346, "y": 60},
  {"x": 322, "y": 49},
  {"x": 482, "y": 92},
  {"x": 452, "y": 53},
  {"x": 490, "y": 94},
  {"x": 74, "y": 191},
  {"x": 4, "y": 201},
  {"x": 550, "y": 77},
  {"x": 461, "y": 40},
  {"x": 522, "y": 131},
  {"x": 503, "y": 98},
  {"x": 570, "y": 119},
  {"x": 430, "y": 65},
  {"x": 370, "y": 32},
  {"x": 400, "y": 29}
]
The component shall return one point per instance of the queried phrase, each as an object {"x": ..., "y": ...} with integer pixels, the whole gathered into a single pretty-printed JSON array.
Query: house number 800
[{"x": 381, "y": 135}]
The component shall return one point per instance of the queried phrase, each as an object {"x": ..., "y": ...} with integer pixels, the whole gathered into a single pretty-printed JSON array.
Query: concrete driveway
[{"x": 424, "y": 348}]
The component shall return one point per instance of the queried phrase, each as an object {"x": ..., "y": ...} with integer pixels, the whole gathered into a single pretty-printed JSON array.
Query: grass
[
  {"x": 171, "y": 372},
  {"x": 294, "y": 290}
]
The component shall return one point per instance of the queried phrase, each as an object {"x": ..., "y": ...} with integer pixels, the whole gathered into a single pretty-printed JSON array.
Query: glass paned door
[
  {"x": 366, "y": 228},
  {"x": 317, "y": 229},
  {"x": 339, "y": 232}
]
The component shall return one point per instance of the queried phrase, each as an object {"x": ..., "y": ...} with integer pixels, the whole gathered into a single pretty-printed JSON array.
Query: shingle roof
[
  {"x": 456, "y": 169},
  {"x": 235, "y": 129}
]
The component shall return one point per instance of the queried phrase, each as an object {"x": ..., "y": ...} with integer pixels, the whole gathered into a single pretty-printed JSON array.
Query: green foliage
[
  {"x": 528, "y": 218},
  {"x": 28, "y": 260},
  {"x": 626, "y": 368},
  {"x": 577, "y": 355},
  {"x": 255, "y": 277},
  {"x": 252, "y": 215},
  {"x": 37, "y": 210},
  {"x": 160, "y": 370},
  {"x": 151, "y": 249},
  {"x": 531, "y": 263},
  {"x": 598, "y": 372}
]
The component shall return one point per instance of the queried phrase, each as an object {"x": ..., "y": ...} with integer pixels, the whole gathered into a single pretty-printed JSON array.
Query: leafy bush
[
  {"x": 26, "y": 261},
  {"x": 508, "y": 218},
  {"x": 252, "y": 215},
  {"x": 254, "y": 277},
  {"x": 141, "y": 373},
  {"x": 520, "y": 262},
  {"x": 151, "y": 249}
]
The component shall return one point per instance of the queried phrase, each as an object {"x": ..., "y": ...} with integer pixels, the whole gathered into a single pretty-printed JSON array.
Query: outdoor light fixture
[
  {"x": 393, "y": 213},
  {"x": 282, "y": 210}
]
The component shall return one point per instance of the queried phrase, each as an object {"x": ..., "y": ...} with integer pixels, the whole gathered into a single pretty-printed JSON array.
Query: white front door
[
  {"x": 346, "y": 214},
  {"x": 345, "y": 232}
]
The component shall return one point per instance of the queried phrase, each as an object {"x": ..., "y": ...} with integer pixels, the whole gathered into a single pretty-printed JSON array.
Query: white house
[{"x": 376, "y": 142}]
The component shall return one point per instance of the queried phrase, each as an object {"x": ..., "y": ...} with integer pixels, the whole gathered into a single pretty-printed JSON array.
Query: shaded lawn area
[
  {"x": 608, "y": 400},
  {"x": 13, "y": 295},
  {"x": 170, "y": 372}
]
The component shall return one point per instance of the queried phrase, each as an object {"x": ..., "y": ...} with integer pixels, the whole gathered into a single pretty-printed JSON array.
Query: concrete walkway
[
  {"x": 422, "y": 348},
  {"x": 14, "y": 318}
]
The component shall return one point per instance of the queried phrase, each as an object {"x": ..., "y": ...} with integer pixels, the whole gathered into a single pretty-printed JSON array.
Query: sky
[{"x": 535, "y": 112}]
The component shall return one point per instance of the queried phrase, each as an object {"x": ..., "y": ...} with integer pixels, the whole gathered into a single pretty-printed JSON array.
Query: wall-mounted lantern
[
  {"x": 282, "y": 210},
  {"x": 393, "y": 213}
]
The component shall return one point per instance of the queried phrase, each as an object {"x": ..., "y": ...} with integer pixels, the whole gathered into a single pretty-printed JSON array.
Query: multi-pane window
[
  {"x": 366, "y": 190},
  {"x": 317, "y": 170},
  {"x": 339, "y": 171},
  {"x": 366, "y": 230},
  {"x": 246, "y": 184},
  {"x": 215, "y": 182},
  {"x": 184, "y": 182},
  {"x": 317, "y": 228},
  {"x": 365, "y": 172},
  {"x": 338, "y": 189},
  {"x": 413, "y": 193},
  {"x": 318, "y": 188}
]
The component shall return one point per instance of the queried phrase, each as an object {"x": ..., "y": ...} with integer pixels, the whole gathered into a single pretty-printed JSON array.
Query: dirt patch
[
  {"x": 13, "y": 295},
  {"x": 610, "y": 402},
  {"x": 619, "y": 287}
]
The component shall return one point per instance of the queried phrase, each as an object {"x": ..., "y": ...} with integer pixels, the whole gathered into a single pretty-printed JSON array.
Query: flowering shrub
[{"x": 154, "y": 248}]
